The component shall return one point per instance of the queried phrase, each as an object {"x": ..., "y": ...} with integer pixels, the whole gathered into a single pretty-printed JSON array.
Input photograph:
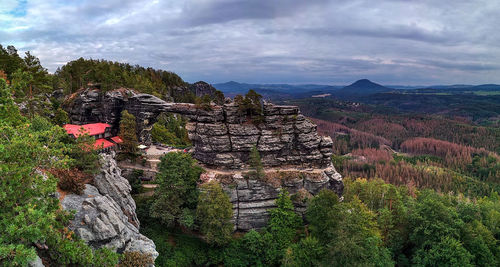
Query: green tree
[
  {"x": 29, "y": 212},
  {"x": 247, "y": 251},
  {"x": 170, "y": 129},
  {"x": 250, "y": 105},
  {"x": 60, "y": 117},
  {"x": 433, "y": 218},
  {"x": 282, "y": 228},
  {"x": 323, "y": 215},
  {"x": 128, "y": 134},
  {"x": 10, "y": 61},
  {"x": 447, "y": 252},
  {"x": 349, "y": 232},
  {"x": 86, "y": 157},
  {"x": 308, "y": 252},
  {"x": 176, "y": 196},
  {"x": 256, "y": 164},
  {"x": 214, "y": 214},
  {"x": 9, "y": 112}
]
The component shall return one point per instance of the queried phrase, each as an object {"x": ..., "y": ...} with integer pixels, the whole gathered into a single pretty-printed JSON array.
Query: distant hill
[
  {"x": 363, "y": 87},
  {"x": 275, "y": 91}
]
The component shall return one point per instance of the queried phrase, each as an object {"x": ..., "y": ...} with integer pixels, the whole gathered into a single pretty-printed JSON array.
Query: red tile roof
[
  {"x": 117, "y": 139},
  {"x": 91, "y": 129},
  {"x": 102, "y": 143}
]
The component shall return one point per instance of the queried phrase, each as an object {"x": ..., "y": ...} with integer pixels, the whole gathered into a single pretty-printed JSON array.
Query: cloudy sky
[{"x": 269, "y": 41}]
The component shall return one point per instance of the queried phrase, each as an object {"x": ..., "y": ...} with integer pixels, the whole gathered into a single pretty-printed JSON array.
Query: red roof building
[
  {"x": 100, "y": 131},
  {"x": 92, "y": 129},
  {"x": 117, "y": 139},
  {"x": 102, "y": 144}
]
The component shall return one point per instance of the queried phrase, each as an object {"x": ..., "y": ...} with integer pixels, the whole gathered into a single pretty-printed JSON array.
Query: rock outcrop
[
  {"x": 222, "y": 136},
  {"x": 110, "y": 182},
  {"x": 105, "y": 213},
  {"x": 253, "y": 198}
]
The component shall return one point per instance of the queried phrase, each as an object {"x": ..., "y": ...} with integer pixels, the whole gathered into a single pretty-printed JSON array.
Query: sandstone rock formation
[
  {"x": 253, "y": 198},
  {"x": 105, "y": 214},
  {"x": 110, "y": 182},
  {"x": 222, "y": 136}
]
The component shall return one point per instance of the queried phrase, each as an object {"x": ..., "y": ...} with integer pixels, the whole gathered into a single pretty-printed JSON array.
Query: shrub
[
  {"x": 136, "y": 259},
  {"x": 70, "y": 180}
]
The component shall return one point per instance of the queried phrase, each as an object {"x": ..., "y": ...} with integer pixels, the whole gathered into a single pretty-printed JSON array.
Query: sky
[{"x": 404, "y": 42}]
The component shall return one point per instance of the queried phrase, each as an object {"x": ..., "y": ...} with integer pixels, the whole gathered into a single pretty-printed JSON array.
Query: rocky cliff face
[
  {"x": 222, "y": 136},
  {"x": 253, "y": 198},
  {"x": 105, "y": 213}
]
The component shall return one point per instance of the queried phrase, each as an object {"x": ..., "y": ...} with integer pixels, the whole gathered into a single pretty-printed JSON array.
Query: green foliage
[
  {"x": 86, "y": 157},
  {"x": 9, "y": 112},
  {"x": 349, "y": 232},
  {"x": 204, "y": 102},
  {"x": 281, "y": 230},
  {"x": 320, "y": 218},
  {"x": 431, "y": 229},
  {"x": 60, "y": 117},
  {"x": 170, "y": 129},
  {"x": 134, "y": 180},
  {"x": 246, "y": 251},
  {"x": 180, "y": 249},
  {"x": 10, "y": 61},
  {"x": 29, "y": 213},
  {"x": 112, "y": 75},
  {"x": 307, "y": 252},
  {"x": 214, "y": 214},
  {"x": 177, "y": 179},
  {"x": 432, "y": 218},
  {"x": 256, "y": 164},
  {"x": 447, "y": 252},
  {"x": 250, "y": 106},
  {"x": 128, "y": 134}
]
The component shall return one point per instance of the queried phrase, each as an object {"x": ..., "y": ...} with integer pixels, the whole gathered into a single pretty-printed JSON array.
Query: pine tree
[
  {"x": 256, "y": 163},
  {"x": 214, "y": 212},
  {"x": 176, "y": 197},
  {"x": 128, "y": 135}
]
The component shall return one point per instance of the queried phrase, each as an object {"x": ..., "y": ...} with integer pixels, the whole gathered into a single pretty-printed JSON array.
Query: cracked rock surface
[
  {"x": 222, "y": 136},
  {"x": 105, "y": 214},
  {"x": 252, "y": 198}
]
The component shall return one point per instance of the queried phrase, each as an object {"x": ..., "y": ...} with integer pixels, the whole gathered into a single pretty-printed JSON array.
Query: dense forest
[
  {"x": 29, "y": 79},
  {"x": 422, "y": 150}
]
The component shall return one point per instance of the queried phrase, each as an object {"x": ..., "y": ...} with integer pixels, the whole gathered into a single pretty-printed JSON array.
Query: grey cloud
[
  {"x": 390, "y": 41},
  {"x": 228, "y": 10},
  {"x": 397, "y": 31}
]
